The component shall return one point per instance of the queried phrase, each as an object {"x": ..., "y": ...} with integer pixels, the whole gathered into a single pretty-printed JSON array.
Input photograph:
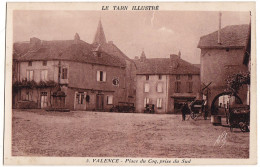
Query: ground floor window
[
  {"x": 80, "y": 97},
  {"x": 110, "y": 99},
  {"x": 146, "y": 101},
  {"x": 159, "y": 103},
  {"x": 44, "y": 100}
]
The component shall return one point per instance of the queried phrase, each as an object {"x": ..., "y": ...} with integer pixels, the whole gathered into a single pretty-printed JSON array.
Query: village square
[{"x": 75, "y": 98}]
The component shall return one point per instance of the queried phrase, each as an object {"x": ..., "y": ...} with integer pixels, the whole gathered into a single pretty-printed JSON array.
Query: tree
[{"x": 236, "y": 81}]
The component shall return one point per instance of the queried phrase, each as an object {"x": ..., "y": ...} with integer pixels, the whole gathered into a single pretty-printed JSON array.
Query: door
[
  {"x": 80, "y": 103},
  {"x": 100, "y": 102},
  {"x": 44, "y": 102}
]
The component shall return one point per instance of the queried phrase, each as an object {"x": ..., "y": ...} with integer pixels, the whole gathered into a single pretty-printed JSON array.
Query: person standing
[{"x": 184, "y": 111}]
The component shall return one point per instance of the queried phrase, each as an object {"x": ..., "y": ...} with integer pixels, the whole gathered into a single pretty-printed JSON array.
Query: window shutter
[
  {"x": 146, "y": 87},
  {"x": 104, "y": 76},
  {"x": 98, "y": 75},
  {"x": 27, "y": 75},
  {"x": 46, "y": 75},
  {"x": 190, "y": 86},
  {"x": 144, "y": 102},
  {"x": 157, "y": 104},
  {"x": 31, "y": 75}
]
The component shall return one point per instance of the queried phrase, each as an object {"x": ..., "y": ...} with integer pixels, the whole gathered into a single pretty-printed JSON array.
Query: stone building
[
  {"x": 166, "y": 83},
  {"x": 222, "y": 54},
  {"x": 93, "y": 76}
]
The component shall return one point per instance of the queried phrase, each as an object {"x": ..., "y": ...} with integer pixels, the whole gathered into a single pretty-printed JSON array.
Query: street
[{"x": 103, "y": 134}]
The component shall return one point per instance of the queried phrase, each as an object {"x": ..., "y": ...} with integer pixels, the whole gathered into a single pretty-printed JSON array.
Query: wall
[
  {"x": 183, "y": 89},
  {"x": 37, "y": 66},
  {"x": 217, "y": 65},
  {"x": 152, "y": 94}
]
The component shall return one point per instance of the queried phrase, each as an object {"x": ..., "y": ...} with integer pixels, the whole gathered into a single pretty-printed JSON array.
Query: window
[
  {"x": 159, "y": 103},
  {"x": 44, "y": 75},
  {"x": 146, "y": 101},
  {"x": 44, "y": 63},
  {"x": 44, "y": 100},
  {"x": 29, "y": 75},
  {"x": 189, "y": 87},
  {"x": 178, "y": 77},
  {"x": 177, "y": 87},
  {"x": 109, "y": 99},
  {"x": 160, "y": 77},
  {"x": 101, "y": 76},
  {"x": 147, "y": 77},
  {"x": 28, "y": 95},
  {"x": 30, "y": 63},
  {"x": 64, "y": 74},
  {"x": 189, "y": 77},
  {"x": 159, "y": 87},
  {"x": 79, "y": 97},
  {"x": 146, "y": 87}
]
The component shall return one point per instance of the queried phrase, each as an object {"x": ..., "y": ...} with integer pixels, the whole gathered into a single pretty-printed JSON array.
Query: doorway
[{"x": 100, "y": 102}]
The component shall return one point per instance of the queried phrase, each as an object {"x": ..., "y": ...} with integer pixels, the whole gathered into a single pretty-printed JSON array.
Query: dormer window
[
  {"x": 30, "y": 63},
  {"x": 147, "y": 77},
  {"x": 44, "y": 63}
]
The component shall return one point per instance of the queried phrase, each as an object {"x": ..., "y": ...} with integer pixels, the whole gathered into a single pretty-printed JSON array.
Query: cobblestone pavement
[{"x": 99, "y": 134}]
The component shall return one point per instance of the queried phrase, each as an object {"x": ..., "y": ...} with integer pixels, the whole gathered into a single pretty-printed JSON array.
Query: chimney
[
  {"x": 174, "y": 61},
  {"x": 35, "y": 43},
  {"x": 219, "y": 28}
]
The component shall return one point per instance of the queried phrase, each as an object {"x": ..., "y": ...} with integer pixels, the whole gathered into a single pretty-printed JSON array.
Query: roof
[
  {"x": 174, "y": 65},
  {"x": 233, "y": 36},
  {"x": 20, "y": 48},
  {"x": 71, "y": 51}
]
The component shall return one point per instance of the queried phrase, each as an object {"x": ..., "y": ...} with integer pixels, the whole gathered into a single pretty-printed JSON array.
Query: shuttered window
[
  {"x": 189, "y": 87},
  {"x": 177, "y": 87},
  {"x": 159, "y": 87},
  {"x": 146, "y": 87},
  {"x": 109, "y": 99},
  {"x": 101, "y": 76},
  {"x": 44, "y": 75},
  {"x": 146, "y": 101},
  {"x": 159, "y": 103},
  {"x": 29, "y": 75}
]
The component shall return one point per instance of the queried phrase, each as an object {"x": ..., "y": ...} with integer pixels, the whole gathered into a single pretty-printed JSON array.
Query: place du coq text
[
  {"x": 130, "y": 7},
  {"x": 137, "y": 161}
]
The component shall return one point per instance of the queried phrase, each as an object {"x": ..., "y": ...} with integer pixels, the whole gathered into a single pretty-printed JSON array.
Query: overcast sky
[{"x": 158, "y": 33}]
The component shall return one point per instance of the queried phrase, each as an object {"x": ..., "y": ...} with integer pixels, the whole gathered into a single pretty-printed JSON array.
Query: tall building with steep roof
[
  {"x": 92, "y": 76},
  {"x": 222, "y": 55}
]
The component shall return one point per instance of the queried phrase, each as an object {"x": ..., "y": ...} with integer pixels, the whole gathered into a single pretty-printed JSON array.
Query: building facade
[
  {"x": 221, "y": 55},
  {"x": 93, "y": 76},
  {"x": 165, "y": 82}
]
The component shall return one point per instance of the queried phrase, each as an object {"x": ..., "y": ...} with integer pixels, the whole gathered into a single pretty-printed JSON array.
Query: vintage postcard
[{"x": 130, "y": 84}]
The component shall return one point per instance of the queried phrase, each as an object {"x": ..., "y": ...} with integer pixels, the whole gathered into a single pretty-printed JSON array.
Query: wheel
[
  {"x": 192, "y": 115},
  {"x": 243, "y": 127}
]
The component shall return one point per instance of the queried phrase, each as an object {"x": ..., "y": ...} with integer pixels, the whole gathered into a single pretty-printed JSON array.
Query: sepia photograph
[{"x": 130, "y": 81}]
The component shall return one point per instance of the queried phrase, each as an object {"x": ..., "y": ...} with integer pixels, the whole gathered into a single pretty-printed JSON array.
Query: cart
[
  {"x": 239, "y": 117},
  {"x": 197, "y": 109}
]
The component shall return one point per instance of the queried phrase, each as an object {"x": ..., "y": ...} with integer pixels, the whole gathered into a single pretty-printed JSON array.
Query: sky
[{"x": 157, "y": 33}]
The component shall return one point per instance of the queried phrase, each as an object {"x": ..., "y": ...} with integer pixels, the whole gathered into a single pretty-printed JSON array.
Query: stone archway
[{"x": 219, "y": 95}]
